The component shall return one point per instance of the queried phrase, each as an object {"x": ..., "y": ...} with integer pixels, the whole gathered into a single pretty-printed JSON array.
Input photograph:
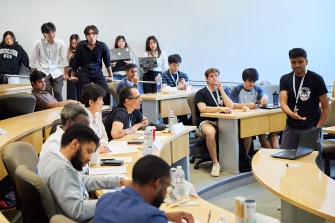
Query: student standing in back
[
  {"x": 72, "y": 84},
  {"x": 152, "y": 49},
  {"x": 49, "y": 56},
  {"x": 12, "y": 55}
]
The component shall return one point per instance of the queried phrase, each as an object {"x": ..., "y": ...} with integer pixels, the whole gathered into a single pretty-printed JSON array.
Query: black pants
[
  {"x": 72, "y": 90},
  {"x": 97, "y": 77},
  {"x": 150, "y": 76}
]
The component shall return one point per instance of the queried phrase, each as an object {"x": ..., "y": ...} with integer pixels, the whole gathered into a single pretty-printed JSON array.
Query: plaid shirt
[{"x": 168, "y": 79}]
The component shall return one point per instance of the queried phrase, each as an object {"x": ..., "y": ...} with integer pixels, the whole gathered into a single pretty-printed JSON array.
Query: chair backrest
[
  {"x": 112, "y": 88},
  {"x": 58, "y": 218},
  {"x": 190, "y": 102},
  {"x": 330, "y": 121},
  {"x": 16, "y": 104},
  {"x": 37, "y": 204}
]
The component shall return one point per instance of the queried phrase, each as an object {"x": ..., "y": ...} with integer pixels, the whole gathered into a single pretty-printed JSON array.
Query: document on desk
[
  {"x": 122, "y": 149},
  {"x": 117, "y": 143},
  {"x": 2, "y": 132},
  {"x": 108, "y": 170},
  {"x": 126, "y": 159}
]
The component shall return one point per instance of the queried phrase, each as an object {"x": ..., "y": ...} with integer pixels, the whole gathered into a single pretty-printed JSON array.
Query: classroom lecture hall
[{"x": 167, "y": 111}]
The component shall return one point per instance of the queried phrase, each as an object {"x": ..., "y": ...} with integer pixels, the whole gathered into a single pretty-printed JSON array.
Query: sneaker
[{"x": 215, "y": 170}]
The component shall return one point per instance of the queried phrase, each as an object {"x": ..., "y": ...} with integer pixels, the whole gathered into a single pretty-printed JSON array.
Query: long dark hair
[
  {"x": 117, "y": 40},
  {"x": 72, "y": 37},
  {"x": 147, "y": 47},
  {"x": 8, "y": 33}
]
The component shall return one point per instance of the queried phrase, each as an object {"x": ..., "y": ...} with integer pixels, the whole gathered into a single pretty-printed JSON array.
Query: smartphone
[
  {"x": 111, "y": 162},
  {"x": 135, "y": 142}
]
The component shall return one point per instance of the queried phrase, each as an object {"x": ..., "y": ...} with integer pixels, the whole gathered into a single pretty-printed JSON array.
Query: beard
[
  {"x": 158, "y": 200},
  {"x": 77, "y": 161}
]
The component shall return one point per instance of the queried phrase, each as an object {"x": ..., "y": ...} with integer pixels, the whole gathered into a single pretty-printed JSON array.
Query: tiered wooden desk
[
  {"x": 14, "y": 88},
  {"x": 307, "y": 194},
  {"x": 241, "y": 124}
]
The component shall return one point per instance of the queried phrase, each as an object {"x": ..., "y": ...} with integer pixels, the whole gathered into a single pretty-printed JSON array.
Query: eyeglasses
[
  {"x": 170, "y": 188},
  {"x": 137, "y": 97}
]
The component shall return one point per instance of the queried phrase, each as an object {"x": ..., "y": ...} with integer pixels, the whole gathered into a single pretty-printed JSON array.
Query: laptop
[
  {"x": 270, "y": 106},
  {"x": 146, "y": 61},
  {"x": 307, "y": 143},
  {"x": 119, "y": 54}
]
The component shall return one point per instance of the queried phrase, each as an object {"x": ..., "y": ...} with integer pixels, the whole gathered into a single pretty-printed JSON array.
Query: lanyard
[
  {"x": 217, "y": 100},
  {"x": 129, "y": 117},
  {"x": 175, "y": 80},
  {"x": 299, "y": 90}
]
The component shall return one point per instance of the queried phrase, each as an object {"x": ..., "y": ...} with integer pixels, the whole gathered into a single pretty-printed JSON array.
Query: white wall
[{"x": 228, "y": 34}]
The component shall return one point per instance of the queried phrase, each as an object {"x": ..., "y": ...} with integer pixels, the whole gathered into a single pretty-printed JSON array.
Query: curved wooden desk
[
  {"x": 307, "y": 194},
  {"x": 14, "y": 88},
  {"x": 32, "y": 128}
]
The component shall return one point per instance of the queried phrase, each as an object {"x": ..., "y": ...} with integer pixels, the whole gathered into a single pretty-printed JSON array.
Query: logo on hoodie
[{"x": 8, "y": 53}]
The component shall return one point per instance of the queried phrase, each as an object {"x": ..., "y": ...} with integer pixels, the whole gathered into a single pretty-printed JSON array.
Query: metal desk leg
[
  {"x": 184, "y": 163},
  {"x": 293, "y": 214},
  {"x": 150, "y": 110},
  {"x": 228, "y": 145}
]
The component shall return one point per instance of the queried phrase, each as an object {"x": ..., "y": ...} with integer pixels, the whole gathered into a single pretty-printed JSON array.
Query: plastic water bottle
[
  {"x": 172, "y": 119},
  {"x": 147, "y": 144},
  {"x": 158, "y": 80},
  {"x": 179, "y": 177},
  {"x": 222, "y": 219}
]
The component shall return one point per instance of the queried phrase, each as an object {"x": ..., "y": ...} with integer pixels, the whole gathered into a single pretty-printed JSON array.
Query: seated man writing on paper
[
  {"x": 173, "y": 77},
  {"x": 60, "y": 172},
  {"x": 126, "y": 118},
  {"x": 140, "y": 202},
  {"x": 248, "y": 94},
  {"x": 211, "y": 98}
]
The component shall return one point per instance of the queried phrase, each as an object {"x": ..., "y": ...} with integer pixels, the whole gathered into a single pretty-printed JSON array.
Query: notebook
[
  {"x": 119, "y": 54},
  {"x": 307, "y": 143},
  {"x": 146, "y": 61}
]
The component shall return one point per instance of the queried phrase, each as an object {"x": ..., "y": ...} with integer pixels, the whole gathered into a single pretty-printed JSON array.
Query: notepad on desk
[
  {"x": 122, "y": 149},
  {"x": 108, "y": 170}
]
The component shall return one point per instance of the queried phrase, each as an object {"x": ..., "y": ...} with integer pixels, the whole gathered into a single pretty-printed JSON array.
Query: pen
[
  {"x": 209, "y": 216},
  {"x": 287, "y": 165}
]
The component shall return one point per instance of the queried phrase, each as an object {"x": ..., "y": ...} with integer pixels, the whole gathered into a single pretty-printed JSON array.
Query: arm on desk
[
  {"x": 61, "y": 103},
  {"x": 118, "y": 131},
  {"x": 137, "y": 126},
  {"x": 203, "y": 108}
]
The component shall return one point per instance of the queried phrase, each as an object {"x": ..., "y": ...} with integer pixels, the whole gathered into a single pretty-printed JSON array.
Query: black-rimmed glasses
[
  {"x": 170, "y": 188},
  {"x": 137, "y": 97}
]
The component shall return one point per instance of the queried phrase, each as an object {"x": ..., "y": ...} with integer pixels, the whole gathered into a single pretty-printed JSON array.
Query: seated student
[
  {"x": 92, "y": 96},
  {"x": 44, "y": 100},
  {"x": 248, "y": 94},
  {"x": 173, "y": 77},
  {"x": 211, "y": 98},
  {"x": 140, "y": 203},
  {"x": 126, "y": 118},
  {"x": 131, "y": 78},
  {"x": 60, "y": 172},
  {"x": 70, "y": 114}
]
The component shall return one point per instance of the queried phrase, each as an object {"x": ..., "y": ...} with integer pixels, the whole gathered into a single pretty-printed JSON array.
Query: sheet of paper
[
  {"x": 117, "y": 143},
  {"x": 127, "y": 159},
  {"x": 108, "y": 170},
  {"x": 122, "y": 149},
  {"x": 2, "y": 132}
]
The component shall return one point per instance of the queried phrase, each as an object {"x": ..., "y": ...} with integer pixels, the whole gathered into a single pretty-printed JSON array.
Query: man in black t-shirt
[
  {"x": 211, "y": 98},
  {"x": 126, "y": 118},
  {"x": 301, "y": 91}
]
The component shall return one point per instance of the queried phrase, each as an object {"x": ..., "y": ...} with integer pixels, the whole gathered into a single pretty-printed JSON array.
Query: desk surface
[
  {"x": 12, "y": 88},
  {"x": 305, "y": 187},
  {"x": 330, "y": 130},
  {"x": 239, "y": 113},
  {"x": 161, "y": 96}
]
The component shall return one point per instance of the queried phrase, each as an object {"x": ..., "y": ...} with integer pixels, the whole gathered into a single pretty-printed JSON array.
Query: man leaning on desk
[
  {"x": 60, "y": 172},
  {"x": 126, "y": 118},
  {"x": 140, "y": 202},
  {"x": 211, "y": 99}
]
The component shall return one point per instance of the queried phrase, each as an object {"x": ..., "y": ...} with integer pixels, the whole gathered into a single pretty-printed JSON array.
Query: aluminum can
[{"x": 249, "y": 211}]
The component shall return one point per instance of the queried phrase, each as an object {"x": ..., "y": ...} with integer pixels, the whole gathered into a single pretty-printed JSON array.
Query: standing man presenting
[
  {"x": 301, "y": 91},
  {"x": 49, "y": 56},
  {"x": 87, "y": 61}
]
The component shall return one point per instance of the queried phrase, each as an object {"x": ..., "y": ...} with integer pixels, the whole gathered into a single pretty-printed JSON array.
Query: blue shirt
[
  {"x": 126, "y": 206},
  {"x": 91, "y": 59},
  {"x": 242, "y": 96},
  {"x": 124, "y": 82},
  {"x": 167, "y": 78}
]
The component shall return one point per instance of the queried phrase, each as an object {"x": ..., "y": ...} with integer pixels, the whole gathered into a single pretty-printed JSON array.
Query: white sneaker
[{"x": 215, "y": 170}]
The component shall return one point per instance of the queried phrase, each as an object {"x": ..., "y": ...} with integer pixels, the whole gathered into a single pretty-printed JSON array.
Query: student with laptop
[
  {"x": 301, "y": 93},
  {"x": 152, "y": 49},
  {"x": 249, "y": 94},
  {"x": 173, "y": 77},
  {"x": 121, "y": 55}
]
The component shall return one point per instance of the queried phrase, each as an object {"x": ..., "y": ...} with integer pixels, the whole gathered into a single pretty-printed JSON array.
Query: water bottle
[
  {"x": 158, "y": 80},
  {"x": 172, "y": 119},
  {"x": 180, "y": 183},
  {"x": 222, "y": 219},
  {"x": 147, "y": 144}
]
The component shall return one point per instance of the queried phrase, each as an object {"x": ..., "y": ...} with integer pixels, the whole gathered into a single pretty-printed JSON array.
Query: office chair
[
  {"x": 328, "y": 145},
  {"x": 36, "y": 200},
  {"x": 112, "y": 88},
  {"x": 200, "y": 151},
  {"x": 16, "y": 104}
]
